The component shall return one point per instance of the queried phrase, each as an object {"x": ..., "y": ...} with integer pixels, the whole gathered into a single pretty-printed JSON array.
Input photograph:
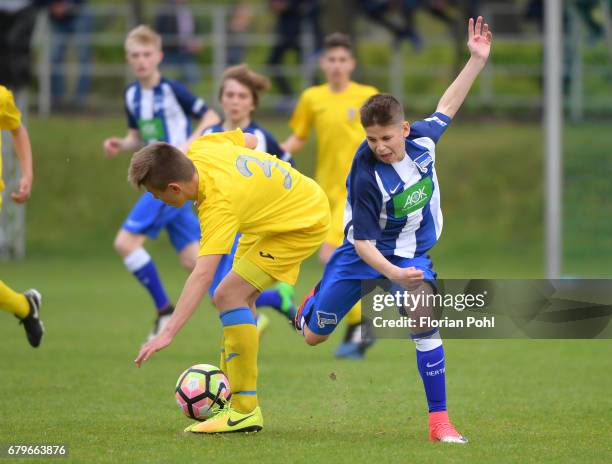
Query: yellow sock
[
  {"x": 222, "y": 363},
  {"x": 241, "y": 346},
  {"x": 354, "y": 315},
  {"x": 13, "y": 302}
]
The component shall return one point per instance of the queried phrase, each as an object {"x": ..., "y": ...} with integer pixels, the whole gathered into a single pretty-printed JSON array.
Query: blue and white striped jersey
[
  {"x": 265, "y": 140},
  {"x": 397, "y": 206},
  {"x": 163, "y": 113}
]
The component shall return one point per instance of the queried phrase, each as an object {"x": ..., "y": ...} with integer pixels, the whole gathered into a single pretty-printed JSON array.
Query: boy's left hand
[
  {"x": 25, "y": 189},
  {"x": 479, "y": 39},
  {"x": 158, "y": 343}
]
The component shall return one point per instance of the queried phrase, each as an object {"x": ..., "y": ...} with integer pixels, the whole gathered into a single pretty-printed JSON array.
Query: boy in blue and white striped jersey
[{"x": 392, "y": 219}]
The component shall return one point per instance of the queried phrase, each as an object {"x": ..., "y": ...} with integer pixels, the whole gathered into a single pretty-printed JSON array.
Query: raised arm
[{"x": 479, "y": 44}]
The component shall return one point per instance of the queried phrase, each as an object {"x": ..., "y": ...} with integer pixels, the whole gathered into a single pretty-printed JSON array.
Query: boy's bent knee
[
  {"x": 219, "y": 298},
  {"x": 125, "y": 242},
  {"x": 122, "y": 246},
  {"x": 189, "y": 255},
  {"x": 224, "y": 299},
  {"x": 187, "y": 261},
  {"x": 312, "y": 338}
]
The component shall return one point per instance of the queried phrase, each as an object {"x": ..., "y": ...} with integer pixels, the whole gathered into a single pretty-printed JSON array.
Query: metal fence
[{"x": 111, "y": 24}]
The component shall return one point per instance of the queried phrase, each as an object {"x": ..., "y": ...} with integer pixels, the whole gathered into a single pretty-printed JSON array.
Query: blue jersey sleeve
[
  {"x": 192, "y": 105},
  {"x": 432, "y": 127},
  {"x": 212, "y": 129},
  {"x": 131, "y": 117},
  {"x": 275, "y": 149},
  {"x": 131, "y": 120},
  {"x": 366, "y": 201}
]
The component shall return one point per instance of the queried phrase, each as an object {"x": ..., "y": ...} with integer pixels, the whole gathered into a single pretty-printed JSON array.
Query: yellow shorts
[
  {"x": 337, "y": 204},
  {"x": 263, "y": 261}
]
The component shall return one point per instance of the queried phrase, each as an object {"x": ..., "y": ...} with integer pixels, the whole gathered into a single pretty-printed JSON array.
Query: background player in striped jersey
[
  {"x": 158, "y": 109},
  {"x": 239, "y": 96},
  {"x": 25, "y": 305},
  {"x": 333, "y": 110},
  {"x": 393, "y": 220}
]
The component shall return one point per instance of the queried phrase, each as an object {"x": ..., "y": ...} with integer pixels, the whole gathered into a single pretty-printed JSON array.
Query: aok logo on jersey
[
  {"x": 413, "y": 198},
  {"x": 151, "y": 129}
]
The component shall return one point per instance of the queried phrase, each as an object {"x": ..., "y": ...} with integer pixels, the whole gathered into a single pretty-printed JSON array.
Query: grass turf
[{"x": 517, "y": 400}]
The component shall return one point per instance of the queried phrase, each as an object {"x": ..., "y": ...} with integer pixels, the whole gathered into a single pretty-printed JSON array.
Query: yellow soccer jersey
[
  {"x": 10, "y": 119},
  {"x": 335, "y": 117},
  {"x": 251, "y": 192}
]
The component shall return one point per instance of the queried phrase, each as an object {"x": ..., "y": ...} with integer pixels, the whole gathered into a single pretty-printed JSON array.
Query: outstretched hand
[
  {"x": 112, "y": 147},
  {"x": 158, "y": 343},
  {"x": 479, "y": 38}
]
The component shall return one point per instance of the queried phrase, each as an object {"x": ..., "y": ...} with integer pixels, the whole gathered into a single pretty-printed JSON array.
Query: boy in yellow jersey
[
  {"x": 283, "y": 217},
  {"x": 333, "y": 110},
  {"x": 24, "y": 306}
]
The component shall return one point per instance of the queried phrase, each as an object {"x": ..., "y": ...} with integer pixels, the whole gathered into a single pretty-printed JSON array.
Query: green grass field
[{"x": 517, "y": 400}]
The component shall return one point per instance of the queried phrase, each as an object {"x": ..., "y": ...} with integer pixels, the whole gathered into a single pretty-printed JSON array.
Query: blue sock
[
  {"x": 271, "y": 298},
  {"x": 431, "y": 364},
  {"x": 142, "y": 266}
]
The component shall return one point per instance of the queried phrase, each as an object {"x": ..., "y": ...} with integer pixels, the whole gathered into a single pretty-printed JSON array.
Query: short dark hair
[
  {"x": 159, "y": 164},
  {"x": 337, "y": 39},
  {"x": 382, "y": 110}
]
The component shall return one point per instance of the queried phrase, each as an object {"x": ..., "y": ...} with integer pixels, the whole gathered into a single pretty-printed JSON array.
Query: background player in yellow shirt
[
  {"x": 333, "y": 110},
  {"x": 24, "y": 306},
  {"x": 283, "y": 217}
]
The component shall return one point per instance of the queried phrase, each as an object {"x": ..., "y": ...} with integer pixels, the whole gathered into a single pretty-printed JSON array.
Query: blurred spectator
[
  {"x": 380, "y": 11},
  {"x": 294, "y": 17},
  {"x": 337, "y": 16},
  {"x": 240, "y": 20},
  {"x": 174, "y": 22},
  {"x": 70, "y": 20},
  {"x": 398, "y": 16},
  {"x": 586, "y": 9},
  {"x": 17, "y": 18}
]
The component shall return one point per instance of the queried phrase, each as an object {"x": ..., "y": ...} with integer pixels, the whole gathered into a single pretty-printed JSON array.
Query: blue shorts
[
  {"x": 149, "y": 216},
  {"x": 340, "y": 287},
  {"x": 225, "y": 265}
]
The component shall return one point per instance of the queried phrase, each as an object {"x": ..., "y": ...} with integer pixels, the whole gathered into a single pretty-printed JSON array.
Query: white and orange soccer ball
[{"x": 201, "y": 391}]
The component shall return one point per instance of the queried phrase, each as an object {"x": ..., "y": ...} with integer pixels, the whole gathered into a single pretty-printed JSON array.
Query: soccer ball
[{"x": 201, "y": 391}]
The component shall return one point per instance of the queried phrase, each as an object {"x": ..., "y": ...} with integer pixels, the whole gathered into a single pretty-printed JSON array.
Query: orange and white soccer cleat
[{"x": 441, "y": 429}]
